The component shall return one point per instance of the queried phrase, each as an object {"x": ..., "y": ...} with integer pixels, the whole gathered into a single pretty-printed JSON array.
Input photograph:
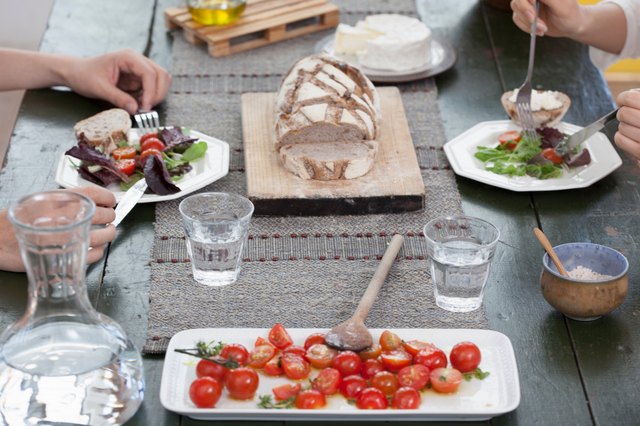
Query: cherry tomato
[
  {"x": 295, "y": 367},
  {"x": 390, "y": 341},
  {"x": 279, "y": 336},
  {"x": 242, "y": 383},
  {"x": 310, "y": 399},
  {"x": 286, "y": 391},
  {"x": 414, "y": 346},
  {"x": 351, "y": 386},
  {"x": 371, "y": 399},
  {"x": 260, "y": 341},
  {"x": 347, "y": 363},
  {"x": 124, "y": 153},
  {"x": 260, "y": 355},
  {"x": 274, "y": 366},
  {"x": 445, "y": 380},
  {"x": 313, "y": 339},
  {"x": 370, "y": 367},
  {"x": 126, "y": 166},
  {"x": 406, "y": 398},
  {"x": 372, "y": 352},
  {"x": 395, "y": 360},
  {"x": 151, "y": 143},
  {"x": 465, "y": 356},
  {"x": 431, "y": 357},
  {"x": 386, "y": 381},
  {"x": 147, "y": 136},
  {"x": 327, "y": 382},
  {"x": 320, "y": 355},
  {"x": 551, "y": 155},
  {"x": 205, "y": 392},
  {"x": 414, "y": 376},
  {"x": 295, "y": 349},
  {"x": 510, "y": 139},
  {"x": 143, "y": 157},
  {"x": 207, "y": 368},
  {"x": 235, "y": 352}
]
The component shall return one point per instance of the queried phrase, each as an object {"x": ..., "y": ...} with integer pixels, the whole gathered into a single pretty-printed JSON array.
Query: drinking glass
[
  {"x": 216, "y": 226},
  {"x": 460, "y": 249}
]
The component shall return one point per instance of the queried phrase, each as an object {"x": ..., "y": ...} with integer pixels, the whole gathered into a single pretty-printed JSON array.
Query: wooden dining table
[{"x": 571, "y": 372}]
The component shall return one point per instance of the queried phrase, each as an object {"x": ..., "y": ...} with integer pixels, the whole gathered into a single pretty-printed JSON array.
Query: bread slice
[
  {"x": 330, "y": 160},
  {"x": 104, "y": 130},
  {"x": 543, "y": 117}
]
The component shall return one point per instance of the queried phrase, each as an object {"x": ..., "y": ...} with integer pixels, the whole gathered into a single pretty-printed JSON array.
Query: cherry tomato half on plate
[
  {"x": 152, "y": 143},
  {"x": 372, "y": 399},
  {"x": 465, "y": 356},
  {"x": 551, "y": 155},
  {"x": 351, "y": 386},
  {"x": 406, "y": 398},
  {"x": 310, "y": 399},
  {"x": 414, "y": 376},
  {"x": 445, "y": 380},
  {"x": 510, "y": 139},
  {"x": 127, "y": 166},
  {"x": 390, "y": 341},
  {"x": 279, "y": 336},
  {"x": 286, "y": 391},
  {"x": 327, "y": 382},
  {"x": 205, "y": 392},
  {"x": 147, "y": 136},
  {"x": 124, "y": 152},
  {"x": 143, "y": 157}
]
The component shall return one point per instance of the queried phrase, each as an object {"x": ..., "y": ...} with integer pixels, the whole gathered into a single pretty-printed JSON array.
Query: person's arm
[
  {"x": 125, "y": 78},
  {"x": 603, "y": 26}
]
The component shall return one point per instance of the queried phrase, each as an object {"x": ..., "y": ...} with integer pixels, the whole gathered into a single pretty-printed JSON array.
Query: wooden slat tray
[
  {"x": 394, "y": 184},
  {"x": 263, "y": 22}
]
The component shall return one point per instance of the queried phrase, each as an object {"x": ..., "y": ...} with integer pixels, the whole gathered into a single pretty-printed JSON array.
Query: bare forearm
[
  {"x": 604, "y": 26},
  {"x": 30, "y": 70}
]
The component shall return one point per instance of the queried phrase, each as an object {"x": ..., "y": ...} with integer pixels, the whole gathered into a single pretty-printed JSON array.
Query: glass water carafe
[{"x": 63, "y": 362}]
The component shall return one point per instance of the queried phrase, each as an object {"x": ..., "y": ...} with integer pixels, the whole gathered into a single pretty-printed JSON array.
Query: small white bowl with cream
[{"x": 548, "y": 106}]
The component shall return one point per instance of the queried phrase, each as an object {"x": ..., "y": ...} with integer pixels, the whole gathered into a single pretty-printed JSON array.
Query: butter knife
[
  {"x": 585, "y": 133},
  {"x": 129, "y": 200}
]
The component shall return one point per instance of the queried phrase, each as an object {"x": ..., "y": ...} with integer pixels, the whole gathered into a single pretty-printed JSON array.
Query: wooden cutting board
[{"x": 394, "y": 184}]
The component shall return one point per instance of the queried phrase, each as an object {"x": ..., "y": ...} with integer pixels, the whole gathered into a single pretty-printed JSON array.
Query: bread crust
[{"x": 104, "y": 130}]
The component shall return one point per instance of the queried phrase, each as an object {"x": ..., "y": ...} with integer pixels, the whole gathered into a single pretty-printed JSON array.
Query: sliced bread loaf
[{"x": 104, "y": 130}]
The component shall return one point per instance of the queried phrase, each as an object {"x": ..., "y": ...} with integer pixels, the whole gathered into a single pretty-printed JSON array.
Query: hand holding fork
[{"x": 523, "y": 100}]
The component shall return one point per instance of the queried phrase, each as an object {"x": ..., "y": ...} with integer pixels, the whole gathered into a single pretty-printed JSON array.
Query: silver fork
[
  {"x": 147, "y": 121},
  {"x": 523, "y": 100}
]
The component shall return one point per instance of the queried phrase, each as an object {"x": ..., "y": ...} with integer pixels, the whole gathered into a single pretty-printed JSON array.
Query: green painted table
[{"x": 570, "y": 372}]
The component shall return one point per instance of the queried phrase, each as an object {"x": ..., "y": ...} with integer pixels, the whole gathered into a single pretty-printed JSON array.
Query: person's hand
[
  {"x": 10, "y": 259},
  {"x": 628, "y": 135},
  {"x": 557, "y": 18},
  {"x": 125, "y": 78}
]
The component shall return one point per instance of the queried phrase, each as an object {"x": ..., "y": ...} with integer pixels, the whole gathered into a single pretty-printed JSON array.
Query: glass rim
[
  {"x": 239, "y": 197},
  {"x": 493, "y": 242},
  {"x": 52, "y": 229}
]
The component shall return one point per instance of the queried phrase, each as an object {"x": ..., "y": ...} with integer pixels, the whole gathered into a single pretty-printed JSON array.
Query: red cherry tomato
[
  {"x": 242, "y": 383},
  {"x": 406, "y": 398},
  {"x": 390, "y": 341},
  {"x": 260, "y": 341},
  {"x": 143, "y": 157},
  {"x": 147, "y": 136},
  {"x": 510, "y": 139},
  {"x": 327, "y": 382},
  {"x": 279, "y": 336},
  {"x": 351, "y": 386},
  {"x": 310, "y": 399},
  {"x": 465, "y": 356},
  {"x": 126, "y": 166},
  {"x": 320, "y": 355},
  {"x": 431, "y": 357},
  {"x": 551, "y": 155},
  {"x": 372, "y": 352},
  {"x": 385, "y": 381},
  {"x": 445, "y": 380},
  {"x": 151, "y": 143},
  {"x": 207, "y": 368},
  {"x": 371, "y": 399},
  {"x": 370, "y": 368},
  {"x": 235, "y": 352},
  {"x": 313, "y": 339},
  {"x": 260, "y": 355},
  {"x": 295, "y": 349},
  {"x": 205, "y": 392},
  {"x": 347, "y": 363},
  {"x": 274, "y": 366},
  {"x": 395, "y": 360},
  {"x": 414, "y": 376},
  {"x": 286, "y": 391},
  {"x": 414, "y": 346},
  {"x": 295, "y": 367},
  {"x": 124, "y": 152}
]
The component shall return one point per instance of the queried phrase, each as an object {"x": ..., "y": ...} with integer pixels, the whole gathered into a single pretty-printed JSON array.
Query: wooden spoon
[
  {"x": 352, "y": 334},
  {"x": 549, "y": 248}
]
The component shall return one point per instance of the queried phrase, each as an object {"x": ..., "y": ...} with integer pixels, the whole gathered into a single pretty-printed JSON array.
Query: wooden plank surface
[{"x": 393, "y": 184}]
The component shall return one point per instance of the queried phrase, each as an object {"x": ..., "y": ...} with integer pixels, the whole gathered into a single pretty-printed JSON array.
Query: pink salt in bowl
[{"x": 597, "y": 284}]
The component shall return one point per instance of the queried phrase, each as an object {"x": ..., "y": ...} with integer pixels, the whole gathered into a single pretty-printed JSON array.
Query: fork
[
  {"x": 523, "y": 100},
  {"x": 148, "y": 122}
]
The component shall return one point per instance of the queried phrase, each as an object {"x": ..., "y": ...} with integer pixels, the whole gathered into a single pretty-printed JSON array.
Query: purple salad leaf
[
  {"x": 157, "y": 176},
  {"x": 581, "y": 159},
  {"x": 175, "y": 140},
  {"x": 92, "y": 157},
  {"x": 550, "y": 137}
]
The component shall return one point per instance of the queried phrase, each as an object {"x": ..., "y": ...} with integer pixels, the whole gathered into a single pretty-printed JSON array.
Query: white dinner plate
[
  {"x": 212, "y": 167},
  {"x": 475, "y": 400},
  {"x": 461, "y": 154},
  {"x": 443, "y": 56}
]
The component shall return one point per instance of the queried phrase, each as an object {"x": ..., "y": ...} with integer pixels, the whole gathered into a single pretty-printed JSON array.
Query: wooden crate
[{"x": 263, "y": 22}]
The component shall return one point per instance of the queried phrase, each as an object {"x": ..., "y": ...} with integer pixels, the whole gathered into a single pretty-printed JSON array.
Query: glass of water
[
  {"x": 216, "y": 226},
  {"x": 460, "y": 249}
]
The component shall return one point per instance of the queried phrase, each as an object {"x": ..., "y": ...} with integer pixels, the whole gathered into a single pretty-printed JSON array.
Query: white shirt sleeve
[{"x": 631, "y": 49}]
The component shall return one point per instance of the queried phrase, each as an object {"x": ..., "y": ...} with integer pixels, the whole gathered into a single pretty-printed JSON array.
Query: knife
[
  {"x": 129, "y": 200},
  {"x": 585, "y": 133}
]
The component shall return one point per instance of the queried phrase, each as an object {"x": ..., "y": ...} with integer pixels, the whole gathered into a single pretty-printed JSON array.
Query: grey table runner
[{"x": 301, "y": 271}]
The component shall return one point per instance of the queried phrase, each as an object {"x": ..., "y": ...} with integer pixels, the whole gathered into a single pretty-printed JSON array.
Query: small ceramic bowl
[
  {"x": 585, "y": 299},
  {"x": 543, "y": 117}
]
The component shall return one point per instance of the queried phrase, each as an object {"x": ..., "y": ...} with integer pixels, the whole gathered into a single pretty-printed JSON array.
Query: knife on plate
[
  {"x": 129, "y": 200},
  {"x": 585, "y": 133}
]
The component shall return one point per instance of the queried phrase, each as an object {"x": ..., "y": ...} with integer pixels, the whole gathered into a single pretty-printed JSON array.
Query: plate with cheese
[{"x": 390, "y": 48}]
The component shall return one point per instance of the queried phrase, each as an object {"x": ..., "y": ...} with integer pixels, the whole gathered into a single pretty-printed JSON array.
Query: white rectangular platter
[{"x": 475, "y": 400}]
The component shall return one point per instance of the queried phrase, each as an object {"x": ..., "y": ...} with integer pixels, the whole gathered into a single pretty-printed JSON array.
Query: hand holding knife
[{"x": 582, "y": 135}]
